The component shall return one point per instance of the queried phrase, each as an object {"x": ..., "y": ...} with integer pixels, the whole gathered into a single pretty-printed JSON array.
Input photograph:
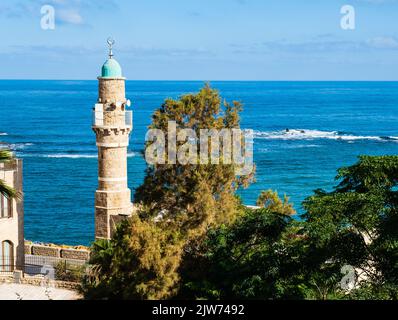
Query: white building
[{"x": 11, "y": 220}]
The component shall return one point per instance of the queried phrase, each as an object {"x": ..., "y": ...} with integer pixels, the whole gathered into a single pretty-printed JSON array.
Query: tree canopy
[
  {"x": 356, "y": 224},
  {"x": 194, "y": 196}
]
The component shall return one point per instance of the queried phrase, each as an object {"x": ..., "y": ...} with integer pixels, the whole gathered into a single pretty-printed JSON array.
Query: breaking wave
[
  {"x": 19, "y": 146},
  {"x": 304, "y": 134},
  {"x": 72, "y": 156},
  {"x": 15, "y": 146}
]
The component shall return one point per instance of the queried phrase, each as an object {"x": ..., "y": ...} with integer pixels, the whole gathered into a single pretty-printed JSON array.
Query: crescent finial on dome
[
  {"x": 111, "y": 68},
  {"x": 110, "y": 42}
]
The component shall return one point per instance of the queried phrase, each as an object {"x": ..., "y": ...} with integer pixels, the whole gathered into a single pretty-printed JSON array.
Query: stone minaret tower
[{"x": 112, "y": 125}]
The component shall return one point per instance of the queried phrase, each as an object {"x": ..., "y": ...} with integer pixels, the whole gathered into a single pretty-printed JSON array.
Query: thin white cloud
[
  {"x": 378, "y": 1},
  {"x": 128, "y": 51},
  {"x": 318, "y": 44},
  {"x": 383, "y": 43},
  {"x": 66, "y": 11},
  {"x": 71, "y": 16}
]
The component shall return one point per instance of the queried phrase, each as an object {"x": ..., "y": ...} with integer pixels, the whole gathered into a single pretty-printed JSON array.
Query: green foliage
[
  {"x": 371, "y": 291},
  {"x": 266, "y": 255},
  {"x": 71, "y": 272},
  {"x": 5, "y": 190},
  {"x": 357, "y": 223},
  {"x": 194, "y": 196},
  {"x": 255, "y": 258},
  {"x": 140, "y": 262},
  {"x": 270, "y": 199}
]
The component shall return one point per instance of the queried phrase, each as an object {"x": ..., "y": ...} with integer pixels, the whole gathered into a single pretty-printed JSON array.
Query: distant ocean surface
[{"x": 48, "y": 124}]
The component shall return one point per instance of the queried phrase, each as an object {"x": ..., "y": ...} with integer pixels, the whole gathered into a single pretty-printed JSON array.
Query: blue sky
[{"x": 201, "y": 39}]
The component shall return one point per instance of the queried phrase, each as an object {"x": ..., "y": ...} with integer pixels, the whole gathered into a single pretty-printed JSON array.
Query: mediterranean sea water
[{"x": 48, "y": 124}]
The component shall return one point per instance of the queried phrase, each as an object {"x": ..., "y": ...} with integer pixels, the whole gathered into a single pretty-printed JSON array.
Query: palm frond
[
  {"x": 9, "y": 192},
  {"x": 5, "y": 190},
  {"x": 6, "y": 155}
]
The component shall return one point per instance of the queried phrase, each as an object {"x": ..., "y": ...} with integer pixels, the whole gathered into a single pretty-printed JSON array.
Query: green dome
[{"x": 111, "y": 69}]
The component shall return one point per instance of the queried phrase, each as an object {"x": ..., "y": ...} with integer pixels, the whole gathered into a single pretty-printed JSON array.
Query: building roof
[{"x": 111, "y": 69}]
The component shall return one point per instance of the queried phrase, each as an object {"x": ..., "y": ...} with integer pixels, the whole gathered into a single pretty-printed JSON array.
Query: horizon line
[{"x": 200, "y": 80}]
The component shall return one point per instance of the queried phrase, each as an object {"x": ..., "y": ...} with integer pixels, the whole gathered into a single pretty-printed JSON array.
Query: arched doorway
[{"x": 6, "y": 256}]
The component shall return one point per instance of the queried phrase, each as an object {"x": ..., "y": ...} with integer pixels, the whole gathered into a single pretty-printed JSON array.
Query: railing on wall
[{"x": 51, "y": 267}]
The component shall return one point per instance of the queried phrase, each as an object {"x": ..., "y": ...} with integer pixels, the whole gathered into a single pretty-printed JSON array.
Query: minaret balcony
[{"x": 113, "y": 119}]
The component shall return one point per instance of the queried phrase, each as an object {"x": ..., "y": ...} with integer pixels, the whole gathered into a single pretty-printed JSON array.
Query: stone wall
[
  {"x": 51, "y": 250},
  {"x": 46, "y": 251},
  {"x": 111, "y": 90},
  {"x": 40, "y": 281},
  {"x": 75, "y": 254}
]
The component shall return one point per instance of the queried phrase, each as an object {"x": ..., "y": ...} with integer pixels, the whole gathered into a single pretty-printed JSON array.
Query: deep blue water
[{"x": 48, "y": 123}]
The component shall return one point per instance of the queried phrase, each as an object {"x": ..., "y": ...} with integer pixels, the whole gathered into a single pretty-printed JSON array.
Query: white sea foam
[
  {"x": 19, "y": 146},
  {"x": 300, "y": 146},
  {"x": 132, "y": 154},
  {"x": 70, "y": 156},
  {"x": 15, "y": 146},
  {"x": 304, "y": 134},
  {"x": 78, "y": 156}
]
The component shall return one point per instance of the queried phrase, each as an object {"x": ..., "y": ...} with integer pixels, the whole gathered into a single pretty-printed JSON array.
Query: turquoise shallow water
[{"x": 48, "y": 123}]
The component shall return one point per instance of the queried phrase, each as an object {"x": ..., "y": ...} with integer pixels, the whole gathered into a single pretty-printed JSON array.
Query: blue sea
[{"x": 48, "y": 124}]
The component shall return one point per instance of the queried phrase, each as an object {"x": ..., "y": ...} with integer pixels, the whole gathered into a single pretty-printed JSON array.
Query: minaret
[{"x": 112, "y": 125}]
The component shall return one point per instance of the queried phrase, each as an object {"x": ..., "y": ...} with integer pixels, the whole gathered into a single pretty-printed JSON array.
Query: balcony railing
[
  {"x": 50, "y": 267},
  {"x": 113, "y": 118}
]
